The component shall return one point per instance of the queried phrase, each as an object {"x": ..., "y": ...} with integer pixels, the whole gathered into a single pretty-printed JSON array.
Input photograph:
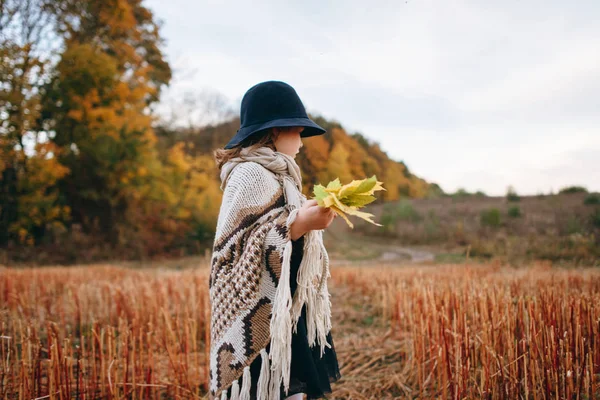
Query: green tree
[
  {"x": 572, "y": 189},
  {"x": 511, "y": 194}
]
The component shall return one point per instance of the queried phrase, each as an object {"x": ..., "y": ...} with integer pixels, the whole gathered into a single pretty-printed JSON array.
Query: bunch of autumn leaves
[{"x": 349, "y": 198}]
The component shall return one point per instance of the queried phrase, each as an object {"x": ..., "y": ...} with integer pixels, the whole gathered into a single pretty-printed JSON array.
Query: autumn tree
[
  {"x": 97, "y": 105},
  {"x": 29, "y": 168}
]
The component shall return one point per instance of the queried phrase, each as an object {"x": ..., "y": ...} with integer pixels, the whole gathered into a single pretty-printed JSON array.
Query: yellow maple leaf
[{"x": 347, "y": 199}]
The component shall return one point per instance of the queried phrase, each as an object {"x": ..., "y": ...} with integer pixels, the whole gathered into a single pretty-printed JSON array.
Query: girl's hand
[{"x": 310, "y": 217}]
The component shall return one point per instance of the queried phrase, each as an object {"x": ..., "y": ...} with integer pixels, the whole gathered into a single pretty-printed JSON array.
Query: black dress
[{"x": 309, "y": 373}]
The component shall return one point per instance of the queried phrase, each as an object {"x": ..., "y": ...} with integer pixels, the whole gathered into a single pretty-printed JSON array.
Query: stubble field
[{"x": 400, "y": 331}]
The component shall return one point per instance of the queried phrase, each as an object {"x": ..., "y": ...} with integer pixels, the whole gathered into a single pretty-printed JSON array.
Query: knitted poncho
[{"x": 251, "y": 304}]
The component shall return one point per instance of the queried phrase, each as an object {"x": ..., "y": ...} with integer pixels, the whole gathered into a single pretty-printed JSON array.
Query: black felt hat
[{"x": 272, "y": 104}]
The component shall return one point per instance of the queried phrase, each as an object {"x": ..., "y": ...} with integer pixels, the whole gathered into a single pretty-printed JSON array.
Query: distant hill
[
  {"x": 562, "y": 227},
  {"x": 323, "y": 158}
]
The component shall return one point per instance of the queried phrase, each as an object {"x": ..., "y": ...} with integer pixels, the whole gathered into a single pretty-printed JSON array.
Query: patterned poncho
[{"x": 251, "y": 304}]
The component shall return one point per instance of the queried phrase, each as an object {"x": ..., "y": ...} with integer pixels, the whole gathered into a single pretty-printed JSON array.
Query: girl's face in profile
[{"x": 288, "y": 140}]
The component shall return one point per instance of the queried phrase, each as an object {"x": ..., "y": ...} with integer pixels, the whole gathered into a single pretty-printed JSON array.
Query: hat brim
[{"x": 310, "y": 129}]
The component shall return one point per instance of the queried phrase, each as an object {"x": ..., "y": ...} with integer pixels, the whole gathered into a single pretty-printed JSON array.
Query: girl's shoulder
[{"x": 252, "y": 173}]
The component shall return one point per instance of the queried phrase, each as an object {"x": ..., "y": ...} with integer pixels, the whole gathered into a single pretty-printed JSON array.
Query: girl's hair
[{"x": 266, "y": 139}]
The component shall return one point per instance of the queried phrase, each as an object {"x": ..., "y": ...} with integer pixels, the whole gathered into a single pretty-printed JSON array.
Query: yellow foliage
[
  {"x": 316, "y": 150},
  {"x": 37, "y": 202},
  {"x": 338, "y": 164},
  {"x": 347, "y": 199}
]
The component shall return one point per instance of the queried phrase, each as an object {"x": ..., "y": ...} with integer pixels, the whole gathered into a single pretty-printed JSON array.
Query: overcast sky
[{"x": 480, "y": 94}]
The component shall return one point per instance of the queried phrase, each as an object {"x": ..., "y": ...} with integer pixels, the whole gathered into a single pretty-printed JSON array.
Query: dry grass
[
  {"x": 103, "y": 331},
  {"x": 481, "y": 332},
  {"x": 475, "y": 331}
]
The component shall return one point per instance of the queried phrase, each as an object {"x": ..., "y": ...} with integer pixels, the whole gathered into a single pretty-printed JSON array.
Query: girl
[{"x": 270, "y": 306}]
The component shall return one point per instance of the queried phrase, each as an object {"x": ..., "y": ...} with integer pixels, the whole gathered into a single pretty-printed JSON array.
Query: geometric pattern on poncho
[{"x": 246, "y": 263}]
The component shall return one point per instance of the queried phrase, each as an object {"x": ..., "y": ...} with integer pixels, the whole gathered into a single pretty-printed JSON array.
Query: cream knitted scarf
[{"x": 251, "y": 301}]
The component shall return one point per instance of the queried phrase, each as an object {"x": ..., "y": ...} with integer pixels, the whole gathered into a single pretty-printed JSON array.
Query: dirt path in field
[
  {"x": 377, "y": 253},
  {"x": 347, "y": 246},
  {"x": 402, "y": 253},
  {"x": 372, "y": 362}
]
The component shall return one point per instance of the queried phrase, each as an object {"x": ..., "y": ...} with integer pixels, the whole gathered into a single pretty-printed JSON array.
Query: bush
[
  {"x": 402, "y": 211},
  {"x": 511, "y": 194},
  {"x": 592, "y": 199},
  {"x": 432, "y": 225},
  {"x": 490, "y": 217},
  {"x": 574, "y": 225},
  {"x": 514, "y": 212},
  {"x": 388, "y": 222},
  {"x": 572, "y": 189},
  {"x": 481, "y": 248},
  {"x": 461, "y": 193},
  {"x": 595, "y": 218},
  {"x": 575, "y": 247},
  {"x": 406, "y": 212}
]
